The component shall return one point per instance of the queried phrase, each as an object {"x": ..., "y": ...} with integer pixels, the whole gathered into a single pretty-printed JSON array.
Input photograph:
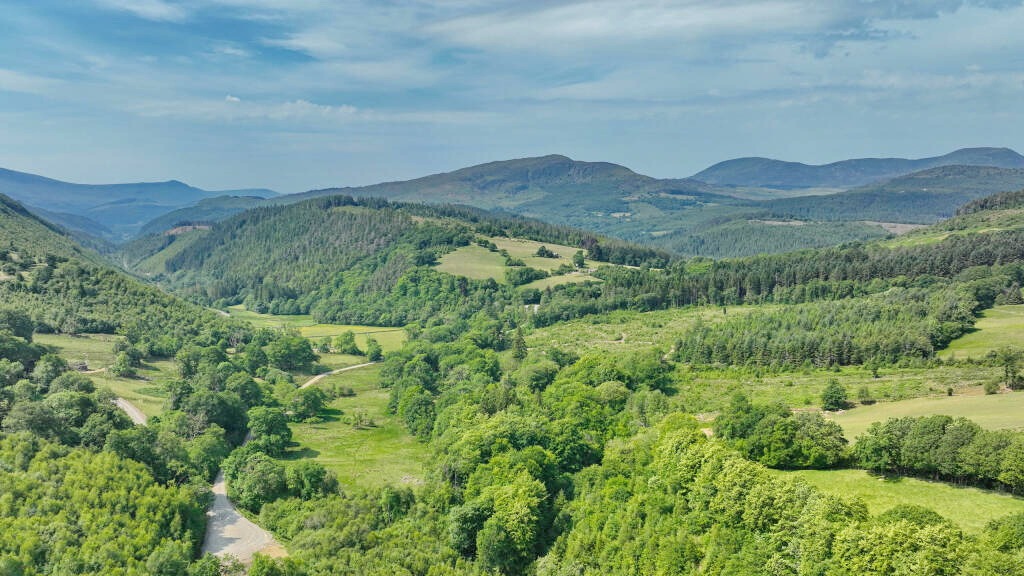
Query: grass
[
  {"x": 388, "y": 338},
  {"x": 479, "y": 263},
  {"x": 146, "y": 391},
  {"x": 997, "y": 411},
  {"x": 475, "y": 262},
  {"x": 969, "y": 508},
  {"x": 998, "y": 327},
  {"x": 710, "y": 389},
  {"x": 627, "y": 330},
  {"x": 361, "y": 457}
]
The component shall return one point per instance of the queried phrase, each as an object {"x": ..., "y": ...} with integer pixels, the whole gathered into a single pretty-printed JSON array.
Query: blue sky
[{"x": 301, "y": 94}]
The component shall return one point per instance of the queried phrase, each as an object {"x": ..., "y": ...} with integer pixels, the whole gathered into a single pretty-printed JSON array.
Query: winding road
[
  {"x": 227, "y": 531},
  {"x": 320, "y": 377}
]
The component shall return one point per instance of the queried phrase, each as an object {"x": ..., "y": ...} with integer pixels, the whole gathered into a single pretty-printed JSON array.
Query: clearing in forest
[
  {"x": 358, "y": 440},
  {"x": 969, "y": 508},
  {"x": 998, "y": 327}
]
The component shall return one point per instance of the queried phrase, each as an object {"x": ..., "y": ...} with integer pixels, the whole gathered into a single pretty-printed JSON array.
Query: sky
[{"x": 303, "y": 94}]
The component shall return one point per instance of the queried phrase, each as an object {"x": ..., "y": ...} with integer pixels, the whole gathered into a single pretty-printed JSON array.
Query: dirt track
[
  {"x": 227, "y": 531},
  {"x": 131, "y": 410},
  {"x": 230, "y": 533},
  {"x": 320, "y": 377}
]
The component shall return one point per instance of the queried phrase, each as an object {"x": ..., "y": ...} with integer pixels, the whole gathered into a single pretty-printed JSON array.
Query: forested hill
[
  {"x": 923, "y": 197},
  {"x": 339, "y": 258},
  {"x": 65, "y": 288},
  {"x": 766, "y": 172},
  {"x": 684, "y": 216}
]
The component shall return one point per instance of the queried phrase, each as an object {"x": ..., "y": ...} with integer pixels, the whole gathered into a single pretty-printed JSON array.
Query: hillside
[
  {"x": 769, "y": 173},
  {"x": 922, "y": 197},
  {"x": 350, "y": 261},
  {"x": 682, "y": 215},
  {"x": 119, "y": 209}
]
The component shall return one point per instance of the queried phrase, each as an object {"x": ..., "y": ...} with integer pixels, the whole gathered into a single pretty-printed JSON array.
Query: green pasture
[
  {"x": 996, "y": 411},
  {"x": 969, "y": 508},
  {"x": 368, "y": 456},
  {"x": 388, "y": 338},
  {"x": 998, "y": 327},
  {"x": 146, "y": 390}
]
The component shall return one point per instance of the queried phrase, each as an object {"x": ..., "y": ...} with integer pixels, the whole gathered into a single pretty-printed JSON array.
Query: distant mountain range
[
  {"x": 738, "y": 207},
  {"x": 110, "y": 211},
  {"x": 768, "y": 173}
]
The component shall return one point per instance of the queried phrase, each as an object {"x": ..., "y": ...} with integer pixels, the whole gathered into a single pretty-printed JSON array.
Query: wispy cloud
[
  {"x": 158, "y": 10},
  {"x": 13, "y": 81}
]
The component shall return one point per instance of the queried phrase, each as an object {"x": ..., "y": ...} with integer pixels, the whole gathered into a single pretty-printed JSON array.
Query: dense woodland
[{"x": 541, "y": 461}]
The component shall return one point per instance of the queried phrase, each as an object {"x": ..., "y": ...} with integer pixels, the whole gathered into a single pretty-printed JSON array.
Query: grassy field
[
  {"x": 997, "y": 411},
  {"x": 626, "y": 330},
  {"x": 388, "y": 338},
  {"x": 361, "y": 457},
  {"x": 480, "y": 263},
  {"x": 999, "y": 326},
  {"x": 474, "y": 262},
  {"x": 706, "y": 390},
  {"x": 969, "y": 508},
  {"x": 145, "y": 391}
]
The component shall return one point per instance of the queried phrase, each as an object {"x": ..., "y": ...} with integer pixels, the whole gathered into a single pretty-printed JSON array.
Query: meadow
[
  {"x": 998, "y": 327},
  {"x": 969, "y": 508},
  {"x": 364, "y": 456},
  {"x": 388, "y": 338},
  {"x": 146, "y": 390},
  {"x": 995, "y": 411},
  {"x": 479, "y": 263}
]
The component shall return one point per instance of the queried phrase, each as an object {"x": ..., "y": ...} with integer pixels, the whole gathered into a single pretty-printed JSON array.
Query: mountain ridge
[{"x": 769, "y": 172}]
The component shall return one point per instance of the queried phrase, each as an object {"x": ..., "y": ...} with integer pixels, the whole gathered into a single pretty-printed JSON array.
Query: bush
[{"x": 833, "y": 398}]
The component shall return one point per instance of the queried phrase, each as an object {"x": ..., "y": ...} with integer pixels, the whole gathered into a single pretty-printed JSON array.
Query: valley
[{"x": 369, "y": 386}]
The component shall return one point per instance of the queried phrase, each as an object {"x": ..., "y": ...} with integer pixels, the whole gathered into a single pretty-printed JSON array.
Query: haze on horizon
[{"x": 301, "y": 94}]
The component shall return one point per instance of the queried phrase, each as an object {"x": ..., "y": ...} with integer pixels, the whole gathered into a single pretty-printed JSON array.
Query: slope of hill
[
  {"x": 922, "y": 197},
  {"x": 349, "y": 261},
  {"x": 766, "y": 172},
  {"x": 119, "y": 209},
  {"x": 206, "y": 211}
]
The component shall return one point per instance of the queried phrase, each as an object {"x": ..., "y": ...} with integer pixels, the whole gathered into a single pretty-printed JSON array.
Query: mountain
[
  {"x": 205, "y": 211},
  {"x": 120, "y": 210},
  {"x": 769, "y": 173},
  {"x": 922, "y": 197}
]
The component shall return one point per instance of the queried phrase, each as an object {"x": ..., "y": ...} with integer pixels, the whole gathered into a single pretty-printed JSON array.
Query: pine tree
[{"x": 519, "y": 345}]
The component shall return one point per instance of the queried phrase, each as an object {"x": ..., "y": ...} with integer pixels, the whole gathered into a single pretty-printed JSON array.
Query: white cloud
[
  {"x": 158, "y": 10},
  {"x": 13, "y": 81},
  {"x": 230, "y": 98}
]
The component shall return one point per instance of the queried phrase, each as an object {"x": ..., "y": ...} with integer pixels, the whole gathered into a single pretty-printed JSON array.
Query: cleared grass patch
[
  {"x": 389, "y": 338},
  {"x": 479, "y": 263},
  {"x": 147, "y": 390},
  {"x": 998, "y": 327},
  {"x": 361, "y": 457},
  {"x": 711, "y": 389},
  {"x": 994, "y": 412},
  {"x": 969, "y": 508},
  {"x": 475, "y": 262},
  {"x": 627, "y": 330}
]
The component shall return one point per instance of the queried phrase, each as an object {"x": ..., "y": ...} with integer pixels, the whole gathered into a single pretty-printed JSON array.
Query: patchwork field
[
  {"x": 388, "y": 338},
  {"x": 998, "y": 327},
  {"x": 365, "y": 456},
  {"x": 969, "y": 508},
  {"x": 996, "y": 411}
]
